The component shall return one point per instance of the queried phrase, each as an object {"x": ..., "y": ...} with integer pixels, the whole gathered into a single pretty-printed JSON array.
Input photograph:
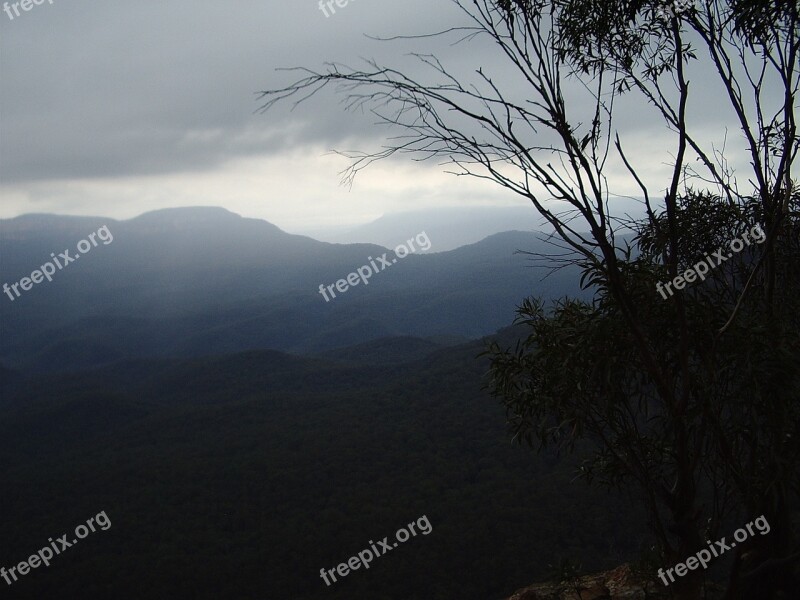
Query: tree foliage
[{"x": 690, "y": 399}]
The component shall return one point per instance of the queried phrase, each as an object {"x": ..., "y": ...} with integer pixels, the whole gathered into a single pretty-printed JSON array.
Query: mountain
[
  {"x": 384, "y": 351},
  {"x": 185, "y": 377},
  {"x": 454, "y": 227},
  {"x": 450, "y": 227},
  {"x": 242, "y": 475},
  {"x": 192, "y": 282}
]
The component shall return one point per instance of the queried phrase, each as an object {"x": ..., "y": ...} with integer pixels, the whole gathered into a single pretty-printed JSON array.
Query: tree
[{"x": 668, "y": 390}]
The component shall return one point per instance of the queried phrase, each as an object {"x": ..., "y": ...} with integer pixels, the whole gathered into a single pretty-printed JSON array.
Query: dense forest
[{"x": 244, "y": 475}]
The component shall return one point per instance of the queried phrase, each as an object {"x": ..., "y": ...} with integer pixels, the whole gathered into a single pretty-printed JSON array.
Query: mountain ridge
[{"x": 246, "y": 284}]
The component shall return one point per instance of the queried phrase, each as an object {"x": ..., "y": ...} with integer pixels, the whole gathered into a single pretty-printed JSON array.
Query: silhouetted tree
[{"x": 692, "y": 398}]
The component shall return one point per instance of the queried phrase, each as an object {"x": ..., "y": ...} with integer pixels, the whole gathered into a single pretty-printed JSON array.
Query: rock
[{"x": 617, "y": 584}]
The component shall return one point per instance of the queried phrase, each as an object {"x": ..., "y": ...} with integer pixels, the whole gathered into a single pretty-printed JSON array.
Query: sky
[{"x": 117, "y": 108}]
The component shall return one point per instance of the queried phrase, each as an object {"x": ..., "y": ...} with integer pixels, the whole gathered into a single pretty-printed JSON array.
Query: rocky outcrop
[{"x": 618, "y": 584}]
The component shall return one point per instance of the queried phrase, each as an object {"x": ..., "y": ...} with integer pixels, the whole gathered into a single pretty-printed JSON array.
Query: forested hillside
[{"x": 244, "y": 475}]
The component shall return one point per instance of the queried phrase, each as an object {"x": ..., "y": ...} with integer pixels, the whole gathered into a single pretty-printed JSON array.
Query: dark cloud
[{"x": 121, "y": 88}]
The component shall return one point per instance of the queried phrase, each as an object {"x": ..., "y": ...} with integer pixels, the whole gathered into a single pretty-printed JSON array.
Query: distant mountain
[
  {"x": 449, "y": 227},
  {"x": 455, "y": 227},
  {"x": 193, "y": 282},
  {"x": 384, "y": 351}
]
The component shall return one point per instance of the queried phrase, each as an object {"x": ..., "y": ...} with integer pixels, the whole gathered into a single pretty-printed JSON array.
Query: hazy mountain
[
  {"x": 192, "y": 282},
  {"x": 449, "y": 227},
  {"x": 455, "y": 227},
  {"x": 385, "y": 351},
  {"x": 160, "y": 379}
]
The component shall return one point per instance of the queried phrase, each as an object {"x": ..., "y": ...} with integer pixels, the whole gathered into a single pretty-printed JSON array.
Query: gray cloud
[{"x": 120, "y": 88}]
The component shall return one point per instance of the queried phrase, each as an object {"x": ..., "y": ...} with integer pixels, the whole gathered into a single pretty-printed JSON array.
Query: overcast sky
[{"x": 115, "y": 108}]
